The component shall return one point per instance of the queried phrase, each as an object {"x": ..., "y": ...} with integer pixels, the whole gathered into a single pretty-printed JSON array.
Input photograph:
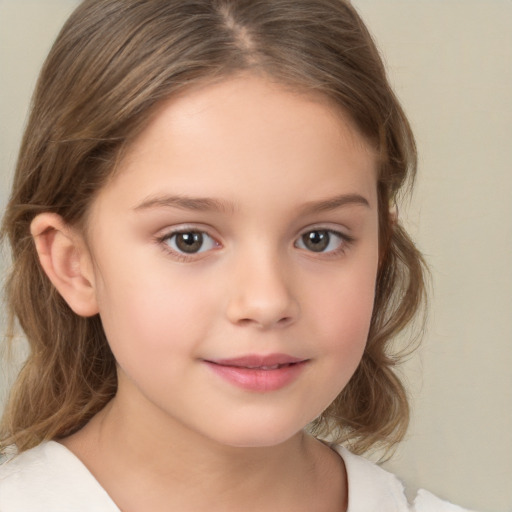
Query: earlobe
[{"x": 66, "y": 261}]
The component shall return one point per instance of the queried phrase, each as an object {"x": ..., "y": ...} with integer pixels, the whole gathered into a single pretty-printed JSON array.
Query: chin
[{"x": 258, "y": 434}]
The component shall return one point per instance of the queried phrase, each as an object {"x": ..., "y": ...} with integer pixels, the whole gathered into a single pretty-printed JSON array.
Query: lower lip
[{"x": 258, "y": 380}]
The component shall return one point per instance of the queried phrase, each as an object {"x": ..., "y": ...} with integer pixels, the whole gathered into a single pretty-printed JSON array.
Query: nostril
[
  {"x": 282, "y": 322},
  {"x": 263, "y": 307}
]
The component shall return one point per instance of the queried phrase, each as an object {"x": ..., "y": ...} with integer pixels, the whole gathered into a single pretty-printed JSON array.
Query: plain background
[{"x": 450, "y": 62}]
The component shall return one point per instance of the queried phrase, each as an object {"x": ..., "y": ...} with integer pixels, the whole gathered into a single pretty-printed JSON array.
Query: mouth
[
  {"x": 259, "y": 373},
  {"x": 259, "y": 362}
]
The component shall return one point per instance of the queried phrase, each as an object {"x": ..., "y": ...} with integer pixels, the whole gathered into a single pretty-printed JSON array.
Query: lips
[
  {"x": 259, "y": 373},
  {"x": 270, "y": 362}
]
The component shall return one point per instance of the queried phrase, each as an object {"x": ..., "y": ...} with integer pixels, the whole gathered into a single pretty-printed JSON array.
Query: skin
[{"x": 275, "y": 165}]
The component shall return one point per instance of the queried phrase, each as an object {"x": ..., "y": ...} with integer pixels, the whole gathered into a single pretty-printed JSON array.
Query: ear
[{"x": 66, "y": 261}]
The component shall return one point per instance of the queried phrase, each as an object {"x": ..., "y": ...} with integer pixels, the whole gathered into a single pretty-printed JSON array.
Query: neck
[{"x": 155, "y": 465}]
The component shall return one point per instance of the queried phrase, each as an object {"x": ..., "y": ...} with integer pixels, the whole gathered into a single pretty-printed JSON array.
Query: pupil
[
  {"x": 189, "y": 242},
  {"x": 316, "y": 240}
]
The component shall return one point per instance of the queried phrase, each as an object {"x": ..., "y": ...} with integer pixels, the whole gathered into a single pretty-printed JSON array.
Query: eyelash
[
  {"x": 164, "y": 241},
  {"x": 344, "y": 241},
  {"x": 344, "y": 244}
]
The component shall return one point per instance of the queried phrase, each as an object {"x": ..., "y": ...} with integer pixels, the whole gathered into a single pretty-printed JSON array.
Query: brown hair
[{"x": 111, "y": 66}]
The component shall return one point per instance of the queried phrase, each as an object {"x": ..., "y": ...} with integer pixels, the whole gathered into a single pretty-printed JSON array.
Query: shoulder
[
  {"x": 50, "y": 477},
  {"x": 372, "y": 488}
]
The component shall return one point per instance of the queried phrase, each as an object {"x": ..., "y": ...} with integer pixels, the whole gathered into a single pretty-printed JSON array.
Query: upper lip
[{"x": 258, "y": 361}]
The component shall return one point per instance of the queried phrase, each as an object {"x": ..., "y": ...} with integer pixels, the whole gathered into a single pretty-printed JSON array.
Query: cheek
[
  {"x": 344, "y": 331},
  {"x": 344, "y": 311},
  {"x": 339, "y": 332},
  {"x": 148, "y": 317}
]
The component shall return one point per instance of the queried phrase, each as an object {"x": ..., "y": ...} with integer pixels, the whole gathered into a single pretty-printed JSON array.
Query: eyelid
[
  {"x": 346, "y": 240},
  {"x": 167, "y": 234},
  {"x": 204, "y": 237},
  {"x": 168, "y": 231},
  {"x": 337, "y": 229}
]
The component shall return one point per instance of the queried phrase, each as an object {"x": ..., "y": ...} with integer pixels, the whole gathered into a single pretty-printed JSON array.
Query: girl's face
[{"x": 234, "y": 262}]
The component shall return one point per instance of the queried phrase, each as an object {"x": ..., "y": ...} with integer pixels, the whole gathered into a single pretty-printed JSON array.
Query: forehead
[{"x": 247, "y": 130}]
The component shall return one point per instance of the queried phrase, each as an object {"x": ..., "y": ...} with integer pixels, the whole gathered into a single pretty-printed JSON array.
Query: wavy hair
[{"x": 113, "y": 63}]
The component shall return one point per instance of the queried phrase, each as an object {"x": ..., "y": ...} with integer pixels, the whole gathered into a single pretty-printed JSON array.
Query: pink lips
[{"x": 259, "y": 373}]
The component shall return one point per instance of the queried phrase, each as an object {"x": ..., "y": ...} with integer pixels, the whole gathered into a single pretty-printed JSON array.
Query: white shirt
[{"x": 50, "y": 478}]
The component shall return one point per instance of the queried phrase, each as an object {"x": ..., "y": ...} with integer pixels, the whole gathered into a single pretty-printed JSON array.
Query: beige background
[{"x": 451, "y": 64}]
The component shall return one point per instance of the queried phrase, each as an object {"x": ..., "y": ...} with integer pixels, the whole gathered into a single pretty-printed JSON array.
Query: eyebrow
[
  {"x": 205, "y": 204},
  {"x": 335, "y": 202},
  {"x": 201, "y": 204}
]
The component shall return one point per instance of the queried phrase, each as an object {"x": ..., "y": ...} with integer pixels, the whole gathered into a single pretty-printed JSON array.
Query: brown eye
[
  {"x": 320, "y": 240},
  {"x": 190, "y": 242},
  {"x": 316, "y": 241}
]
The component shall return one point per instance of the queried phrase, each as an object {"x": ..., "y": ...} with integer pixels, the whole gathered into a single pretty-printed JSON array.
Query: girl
[{"x": 207, "y": 264}]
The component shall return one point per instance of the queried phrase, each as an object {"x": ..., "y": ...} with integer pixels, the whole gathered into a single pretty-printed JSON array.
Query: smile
[{"x": 259, "y": 373}]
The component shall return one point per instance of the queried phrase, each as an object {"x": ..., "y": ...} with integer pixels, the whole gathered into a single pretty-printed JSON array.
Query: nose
[{"x": 261, "y": 293}]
